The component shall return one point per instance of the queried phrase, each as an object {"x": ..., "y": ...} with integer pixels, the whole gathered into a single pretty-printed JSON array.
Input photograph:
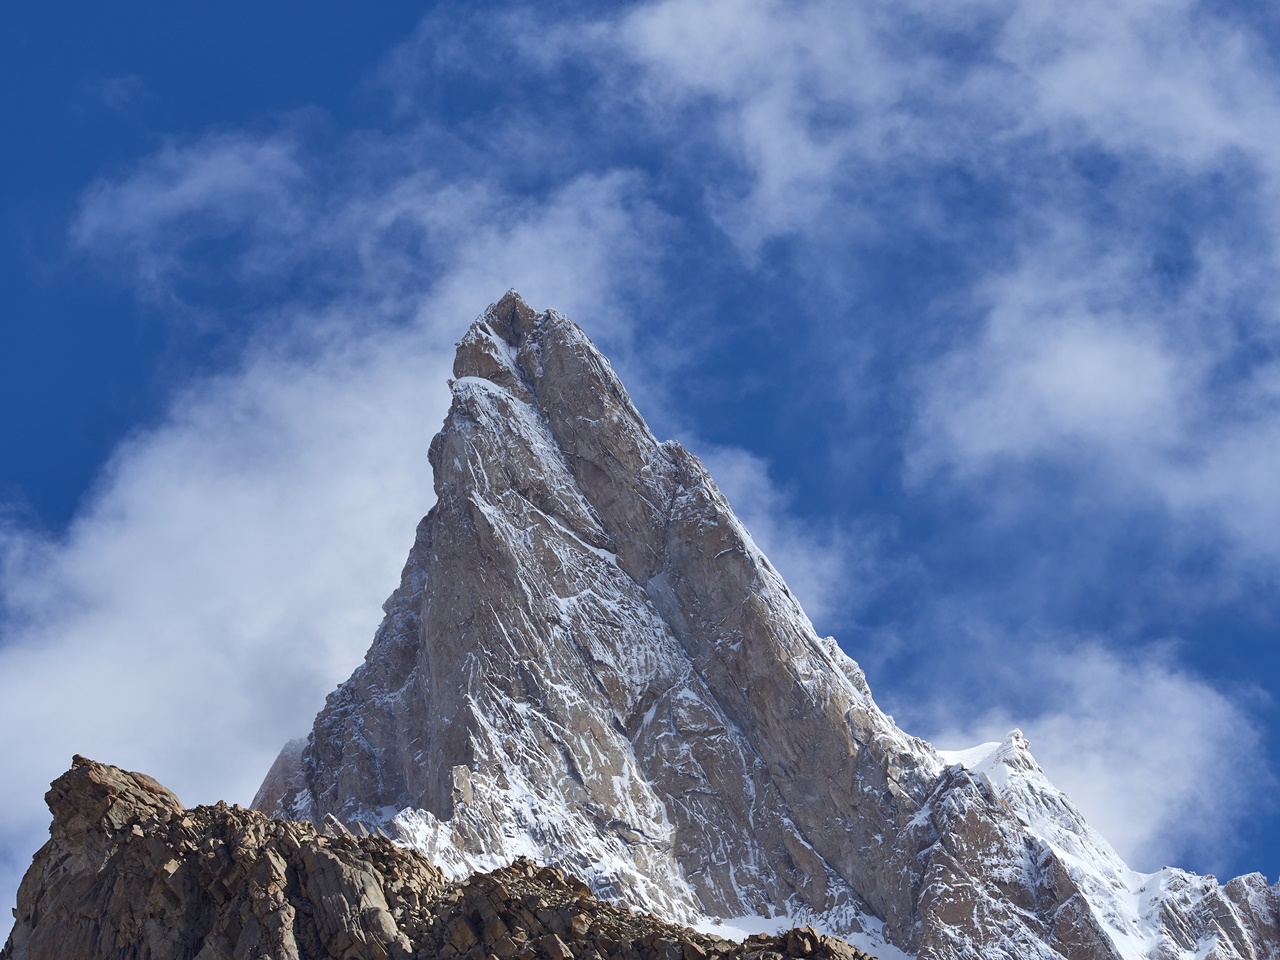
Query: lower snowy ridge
[
  {"x": 1167, "y": 915},
  {"x": 494, "y": 826}
]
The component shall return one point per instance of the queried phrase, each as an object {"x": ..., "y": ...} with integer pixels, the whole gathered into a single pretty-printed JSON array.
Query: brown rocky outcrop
[{"x": 129, "y": 873}]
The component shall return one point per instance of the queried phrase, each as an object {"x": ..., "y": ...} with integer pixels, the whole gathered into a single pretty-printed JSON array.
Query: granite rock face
[
  {"x": 589, "y": 661},
  {"x": 128, "y": 874}
]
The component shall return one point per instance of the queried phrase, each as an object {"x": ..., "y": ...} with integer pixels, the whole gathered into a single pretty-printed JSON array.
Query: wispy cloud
[
  {"x": 1166, "y": 399},
  {"x": 1084, "y": 201},
  {"x": 1121, "y": 323},
  {"x": 123, "y": 94},
  {"x": 213, "y": 187},
  {"x": 222, "y": 577},
  {"x": 228, "y": 568}
]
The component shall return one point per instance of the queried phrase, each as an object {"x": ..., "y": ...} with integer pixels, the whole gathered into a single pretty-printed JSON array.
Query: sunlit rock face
[{"x": 588, "y": 661}]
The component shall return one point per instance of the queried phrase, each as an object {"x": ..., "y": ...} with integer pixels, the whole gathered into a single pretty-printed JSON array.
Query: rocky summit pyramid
[{"x": 589, "y": 662}]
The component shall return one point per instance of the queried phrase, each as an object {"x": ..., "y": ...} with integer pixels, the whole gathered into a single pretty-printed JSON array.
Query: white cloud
[
  {"x": 1164, "y": 77},
  {"x": 213, "y": 186},
  {"x": 1161, "y": 763},
  {"x": 1056, "y": 371},
  {"x": 835, "y": 124},
  {"x": 227, "y": 570},
  {"x": 1079, "y": 365},
  {"x": 226, "y": 574},
  {"x": 1080, "y": 358},
  {"x": 797, "y": 92},
  {"x": 809, "y": 95}
]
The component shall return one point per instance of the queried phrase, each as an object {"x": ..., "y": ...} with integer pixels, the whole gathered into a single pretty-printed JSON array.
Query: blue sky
[{"x": 970, "y": 308}]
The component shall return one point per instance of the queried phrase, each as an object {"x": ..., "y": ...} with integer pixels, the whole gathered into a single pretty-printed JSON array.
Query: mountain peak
[
  {"x": 588, "y": 661},
  {"x": 489, "y": 349},
  {"x": 511, "y": 318}
]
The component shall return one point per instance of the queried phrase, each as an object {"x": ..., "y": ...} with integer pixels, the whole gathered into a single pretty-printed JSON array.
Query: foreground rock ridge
[
  {"x": 129, "y": 873},
  {"x": 589, "y": 661}
]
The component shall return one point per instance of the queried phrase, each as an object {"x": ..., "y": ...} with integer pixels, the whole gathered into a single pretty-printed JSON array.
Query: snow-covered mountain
[{"x": 589, "y": 661}]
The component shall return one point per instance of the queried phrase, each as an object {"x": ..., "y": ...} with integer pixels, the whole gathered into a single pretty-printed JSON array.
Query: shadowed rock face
[
  {"x": 589, "y": 661},
  {"x": 128, "y": 873}
]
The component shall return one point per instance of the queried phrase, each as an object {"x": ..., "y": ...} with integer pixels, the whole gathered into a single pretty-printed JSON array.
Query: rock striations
[
  {"x": 588, "y": 661},
  {"x": 128, "y": 874}
]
